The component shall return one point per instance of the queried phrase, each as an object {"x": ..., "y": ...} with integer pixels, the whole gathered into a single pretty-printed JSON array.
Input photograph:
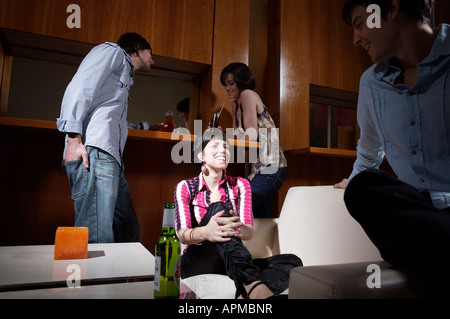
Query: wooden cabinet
[{"x": 181, "y": 29}]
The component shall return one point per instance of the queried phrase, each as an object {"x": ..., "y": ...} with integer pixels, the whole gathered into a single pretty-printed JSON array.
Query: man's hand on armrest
[{"x": 342, "y": 184}]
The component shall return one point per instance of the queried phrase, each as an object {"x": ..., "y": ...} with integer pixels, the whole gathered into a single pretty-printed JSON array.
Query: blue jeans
[
  {"x": 264, "y": 185},
  {"x": 102, "y": 199}
]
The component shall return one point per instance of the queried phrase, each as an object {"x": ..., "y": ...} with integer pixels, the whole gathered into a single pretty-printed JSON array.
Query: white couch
[{"x": 315, "y": 225}]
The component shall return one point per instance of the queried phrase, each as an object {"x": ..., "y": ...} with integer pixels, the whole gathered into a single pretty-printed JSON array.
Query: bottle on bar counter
[{"x": 167, "y": 253}]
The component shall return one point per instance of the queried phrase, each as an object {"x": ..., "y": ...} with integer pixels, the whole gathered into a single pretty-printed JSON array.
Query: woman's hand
[
  {"x": 218, "y": 230},
  {"x": 221, "y": 229}
]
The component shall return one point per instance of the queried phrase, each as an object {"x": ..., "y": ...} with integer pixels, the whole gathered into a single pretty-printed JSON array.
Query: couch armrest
[
  {"x": 348, "y": 281},
  {"x": 315, "y": 225},
  {"x": 265, "y": 241}
]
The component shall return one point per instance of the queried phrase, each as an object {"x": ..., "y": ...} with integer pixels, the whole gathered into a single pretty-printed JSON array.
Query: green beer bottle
[{"x": 167, "y": 253}]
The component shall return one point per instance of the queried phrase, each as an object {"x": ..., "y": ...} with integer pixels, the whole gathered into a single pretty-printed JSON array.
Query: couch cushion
[
  {"x": 209, "y": 286},
  {"x": 315, "y": 225},
  {"x": 265, "y": 241},
  {"x": 349, "y": 281}
]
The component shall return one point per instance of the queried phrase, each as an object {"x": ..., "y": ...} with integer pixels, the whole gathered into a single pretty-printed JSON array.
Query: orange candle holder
[{"x": 71, "y": 243}]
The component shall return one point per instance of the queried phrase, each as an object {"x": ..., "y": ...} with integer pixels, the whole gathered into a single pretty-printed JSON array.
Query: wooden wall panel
[
  {"x": 294, "y": 75},
  {"x": 316, "y": 48},
  {"x": 272, "y": 66},
  {"x": 332, "y": 58},
  {"x": 180, "y": 29},
  {"x": 231, "y": 44},
  {"x": 264, "y": 52},
  {"x": 5, "y": 80},
  {"x": 258, "y": 43}
]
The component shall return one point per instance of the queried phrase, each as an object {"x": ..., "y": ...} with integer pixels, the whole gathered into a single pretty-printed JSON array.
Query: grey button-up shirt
[
  {"x": 95, "y": 103},
  {"x": 410, "y": 125}
]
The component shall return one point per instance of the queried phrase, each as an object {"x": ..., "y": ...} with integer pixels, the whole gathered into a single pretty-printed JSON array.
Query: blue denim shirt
[
  {"x": 409, "y": 125},
  {"x": 95, "y": 103}
]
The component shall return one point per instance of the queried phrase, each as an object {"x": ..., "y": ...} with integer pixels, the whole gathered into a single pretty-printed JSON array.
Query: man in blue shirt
[
  {"x": 404, "y": 115},
  {"x": 94, "y": 118}
]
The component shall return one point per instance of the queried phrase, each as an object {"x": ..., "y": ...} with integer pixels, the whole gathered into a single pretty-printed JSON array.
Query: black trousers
[
  {"x": 410, "y": 233},
  {"x": 233, "y": 259}
]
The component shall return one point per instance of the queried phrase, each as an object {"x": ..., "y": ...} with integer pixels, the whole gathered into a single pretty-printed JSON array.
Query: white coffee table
[
  {"x": 33, "y": 267},
  {"x": 132, "y": 290}
]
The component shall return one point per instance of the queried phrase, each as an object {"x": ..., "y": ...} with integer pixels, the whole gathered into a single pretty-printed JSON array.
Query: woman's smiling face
[
  {"x": 231, "y": 87},
  {"x": 216, "y": 154}
]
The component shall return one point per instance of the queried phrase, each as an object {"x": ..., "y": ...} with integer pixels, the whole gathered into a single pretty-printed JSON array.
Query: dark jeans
[
  {"x": 234, "y": 260},
  {"x": 264, "y": 186},
  {"x": 410, "y": 233}
]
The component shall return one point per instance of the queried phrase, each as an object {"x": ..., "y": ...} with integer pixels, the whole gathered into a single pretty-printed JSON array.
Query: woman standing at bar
[{"x": 252, "y": 120}]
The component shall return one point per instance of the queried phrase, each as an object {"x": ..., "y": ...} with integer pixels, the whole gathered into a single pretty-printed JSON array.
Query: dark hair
[
  {"x": 242, "y": 75},
  {"x": 203, "y": 140},
  {"x": 419, "y": 10},
  {"x": 183, "y": 105},
  {"x": 133, "y": 42}
]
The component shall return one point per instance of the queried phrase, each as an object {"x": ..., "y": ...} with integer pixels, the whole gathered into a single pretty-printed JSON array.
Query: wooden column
[
  {"x": 316, "y": 48},
  {"x": 231, "y": 44}
]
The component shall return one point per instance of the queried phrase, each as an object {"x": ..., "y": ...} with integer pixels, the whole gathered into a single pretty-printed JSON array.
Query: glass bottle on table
[{"x": 167, "y": 254}]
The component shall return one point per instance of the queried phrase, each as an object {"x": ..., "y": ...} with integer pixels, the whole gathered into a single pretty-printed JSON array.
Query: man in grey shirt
[{"x": 94, "y": 118}]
